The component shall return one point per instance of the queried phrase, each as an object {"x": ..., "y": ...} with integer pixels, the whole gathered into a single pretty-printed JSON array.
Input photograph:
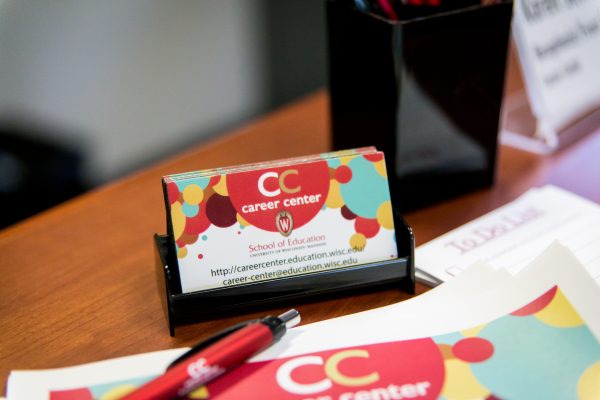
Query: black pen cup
[{"x": 426, "y": 89}]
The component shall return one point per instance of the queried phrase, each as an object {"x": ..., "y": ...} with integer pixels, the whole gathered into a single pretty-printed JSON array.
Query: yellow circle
[
  {"x": 177, "y": 219},
  {"x": 358, "y": 241},
  {"x": 380, "y": 168},
  {"x": 221, "y": 186},
  {"x": 559, "y": 312},
  {"x": 193, "y": 194},
  {"x": 472, "y": 332},
  {"x": 242, "y": 221},
  {"x": 182, "y": 252},
  {"x": 345, "y": 160},
  {"x": 460, "y": 383},
  {"x": 588, "y": 387},
  {"x": 200, "y": 393},
  {"x": 118, "y": 392},
  {"x": 385, "y": 217},
  {"x": 334, "y": 197}
]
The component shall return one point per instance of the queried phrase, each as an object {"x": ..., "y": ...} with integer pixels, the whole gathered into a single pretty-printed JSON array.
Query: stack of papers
[
  {"x": 511, "y": 236},
  {"x": 485, "y": 334}
]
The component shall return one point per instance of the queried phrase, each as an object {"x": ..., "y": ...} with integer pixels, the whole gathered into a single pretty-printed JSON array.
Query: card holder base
[{"x": 186, "y": 308}]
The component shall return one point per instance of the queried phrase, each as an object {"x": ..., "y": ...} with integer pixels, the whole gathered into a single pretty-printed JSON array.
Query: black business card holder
[{"x": 184, "y": 308}]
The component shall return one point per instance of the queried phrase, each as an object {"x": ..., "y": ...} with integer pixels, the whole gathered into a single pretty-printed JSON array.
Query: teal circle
[
  {"x": 366, "y": 190},
  {"x": 204, "y": 237},
  {"x": 202, "y": 182},
  {"x": 334, "y": 162},
  {"x": 97, "y": 391},
  {"x": 533, "y": 360},
  {"x": 449, "y": 338},
  {"x": 190, "y": 210}
]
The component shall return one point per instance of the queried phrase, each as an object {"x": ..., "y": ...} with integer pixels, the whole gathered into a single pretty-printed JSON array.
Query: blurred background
[{"x": 92, "y": 90}]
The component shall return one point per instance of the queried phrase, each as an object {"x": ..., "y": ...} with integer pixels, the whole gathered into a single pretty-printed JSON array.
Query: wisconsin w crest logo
[{"x": 284, "y": 222}]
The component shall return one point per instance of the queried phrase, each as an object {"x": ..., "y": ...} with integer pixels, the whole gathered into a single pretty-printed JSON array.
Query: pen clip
[{"x": 211, "y": 340}]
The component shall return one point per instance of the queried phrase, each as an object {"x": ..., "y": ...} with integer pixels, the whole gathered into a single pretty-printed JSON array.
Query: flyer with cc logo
[
  {"x": 484, "y": 335},
  {"x": 251, "y": 223}
]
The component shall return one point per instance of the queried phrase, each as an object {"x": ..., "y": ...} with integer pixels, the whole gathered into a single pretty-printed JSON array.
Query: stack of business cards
[{"x": 251, "y": 223}]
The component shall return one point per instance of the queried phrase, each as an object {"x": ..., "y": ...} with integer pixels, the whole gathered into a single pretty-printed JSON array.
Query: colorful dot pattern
[
  {"x": 518, "y": 356},
  {"x": 541, "y": 351},
  {"x": 358, "y": 188}
]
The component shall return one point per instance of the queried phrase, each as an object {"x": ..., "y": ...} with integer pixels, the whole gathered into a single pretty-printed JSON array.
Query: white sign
[{"x": 558, "y": 42}]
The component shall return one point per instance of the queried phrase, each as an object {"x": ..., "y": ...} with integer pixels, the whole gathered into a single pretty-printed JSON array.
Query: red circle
[
  {"x": 200, "y": 256},
  {"x": 343, "y": 174},
  {"x": 536, "y": 305},
  {"x": 214, "y": 180},
  {"x": 366, "y": 226},
  {"x": 473, "y": 349},
  {"x": 374, "y": 157},
  {"x": 198, "y": 223},
  {"x": 311, "y": 178},
  {"x": 172, "y": 192}
]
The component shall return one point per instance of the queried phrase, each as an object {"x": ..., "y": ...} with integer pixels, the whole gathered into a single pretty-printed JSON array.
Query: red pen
[{"x": 215, "y": 356}]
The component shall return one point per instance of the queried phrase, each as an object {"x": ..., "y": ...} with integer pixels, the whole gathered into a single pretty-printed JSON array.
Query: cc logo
[
  {"x": 331, "y": 369},
  {"x": 282, "y": 185}
]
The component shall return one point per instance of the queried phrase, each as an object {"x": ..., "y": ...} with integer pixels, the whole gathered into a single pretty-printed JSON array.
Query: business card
[{"x": 251, "y": 223}]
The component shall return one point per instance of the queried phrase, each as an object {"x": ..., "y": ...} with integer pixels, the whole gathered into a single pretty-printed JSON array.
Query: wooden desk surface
[{"x": 78, "y": 281}]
